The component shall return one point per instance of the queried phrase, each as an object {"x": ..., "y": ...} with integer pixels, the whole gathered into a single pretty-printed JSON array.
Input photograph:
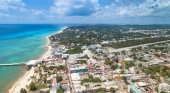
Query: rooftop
[{"x": 132, "y": 86}]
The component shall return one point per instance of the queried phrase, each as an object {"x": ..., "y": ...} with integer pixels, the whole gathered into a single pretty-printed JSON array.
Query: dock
[{"x": 14, "y": 64}]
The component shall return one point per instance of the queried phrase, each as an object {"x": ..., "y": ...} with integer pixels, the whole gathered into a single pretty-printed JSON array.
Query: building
[
  {"x": 139, "y": 87},
  {"x": 33, "y": 63},
  {"x": 164, "y": 87}
]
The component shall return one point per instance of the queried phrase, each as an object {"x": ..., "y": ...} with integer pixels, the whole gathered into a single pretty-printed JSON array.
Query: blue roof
[
  {"x": 168, "y": 79},
  {"x": 132, "y": 86}
]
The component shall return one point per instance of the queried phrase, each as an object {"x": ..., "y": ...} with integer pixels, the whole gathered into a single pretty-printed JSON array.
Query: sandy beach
[
  {"x": 60, "y": 31},
  {"x": 25, "y": 79}
]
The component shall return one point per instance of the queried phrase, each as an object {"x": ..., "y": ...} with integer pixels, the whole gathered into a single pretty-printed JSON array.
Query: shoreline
[{"x": 24, "y": 79}]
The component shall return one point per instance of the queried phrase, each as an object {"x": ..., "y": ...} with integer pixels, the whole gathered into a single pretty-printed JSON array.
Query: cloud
[
  {"x": 111, "y": 8},
  {"x": 134, "y": 8},
  {"x": 11, "y": 4},
  {"x": 4, "y": 15},
  {"x": 75, "y": 7},
  {"x": 39, "y": 13}
]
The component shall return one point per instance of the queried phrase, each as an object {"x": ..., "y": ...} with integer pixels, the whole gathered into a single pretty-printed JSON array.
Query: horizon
[
  {"x": 77, "y": 24},
  {"x": 142, "y": 12}
]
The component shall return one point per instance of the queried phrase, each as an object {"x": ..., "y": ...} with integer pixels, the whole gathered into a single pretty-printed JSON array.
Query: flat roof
[
  {"x": 75, "y": 76},
  {"x": 132, "y": 86},
  {"x": 141, "y": 84}
]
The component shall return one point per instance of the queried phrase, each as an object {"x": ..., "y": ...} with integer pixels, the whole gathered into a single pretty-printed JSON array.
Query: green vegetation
[
  {"x": 108, "y": 62},
  {"x": 61, "y": 90},
  {"x": 91, "y": 79},
  {"x": 128, "y": 64},
  {"x": 32, "y": 87},
  {"x": 61, "y": 67},
  {"x": 59, "y": 78},
  {"x": 85, "y": 57},
  {"x": 112, "y": 90},
  {"x": 40, "y": 86},
  {"x": 155, "y": 72},
  {"x": 101, "y": 90},
  {"x": 74, "y": 50},
  {"x": 125, "y": 80},
  {"x": 122, "y": 71},
  {"x": 163, "y": 92},
  {"x": 76, "y": 36},
  {"x": 137, "y": 42},
  {"x": 23, "y": 90}
]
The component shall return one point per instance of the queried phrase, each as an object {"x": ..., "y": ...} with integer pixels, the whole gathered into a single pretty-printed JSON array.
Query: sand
[{"x": 25, "y": 79}]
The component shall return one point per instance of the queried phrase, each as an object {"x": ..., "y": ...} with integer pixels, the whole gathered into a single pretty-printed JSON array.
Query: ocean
[{"x": 21, "y": 43}]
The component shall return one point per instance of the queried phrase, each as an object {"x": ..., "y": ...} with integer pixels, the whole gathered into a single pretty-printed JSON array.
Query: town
[{"x": 105, "y": 59}]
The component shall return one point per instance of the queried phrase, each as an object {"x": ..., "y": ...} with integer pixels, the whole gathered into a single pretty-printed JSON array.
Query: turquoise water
[{"x": 21, "y": 43}]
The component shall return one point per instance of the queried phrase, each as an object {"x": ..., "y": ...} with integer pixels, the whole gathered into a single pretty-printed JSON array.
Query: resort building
[{"x": 139, "y": 87}]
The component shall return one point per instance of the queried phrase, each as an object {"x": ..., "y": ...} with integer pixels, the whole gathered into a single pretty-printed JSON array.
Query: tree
[
  {"x": 61, "y": 90},
  {"x": 32, "y": 87},
  {"x": 123, "y": 52},
  {"x": 114, "y": 66},
  {"x": 122, "y": 71},
  {"x": 137, "y": 72},
  {"x": 23, "y": 90},
  {"x": 112, "y": 89},
  {"x": 165, "y": 68},
  {"x": 60, "y": 67},
  {"x": 156, "y": 89},
  {"x": 140, "y": 65},
  {"x": 108, "y": 62},
  {"x": 163, "y": 92},
  {"x": 59, "y": 78},
  {"x": 152, "y": 76},
  {"x": 86, "y": 85},
  {"x": 96, "y": 79}
]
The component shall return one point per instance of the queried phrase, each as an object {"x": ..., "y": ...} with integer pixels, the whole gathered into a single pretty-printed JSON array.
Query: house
[
  {"x": 83, "y": 47},
  {"x": 110, "y": 84},
  {"x": 105, "y": 42},
  {"x": 139, "y": 87},
  {"x": 76, "y": 80},
  {"x": 164, "y": 87},
  {"x": 145, "y": 47},
  {"x": 95, "y": 46},
  {"x": 55, "y": 86},
  {"x": 58, "y": 49}
]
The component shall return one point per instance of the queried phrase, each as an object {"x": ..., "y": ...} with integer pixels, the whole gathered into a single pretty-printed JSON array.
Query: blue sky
[{"x": 85, "y": 11}]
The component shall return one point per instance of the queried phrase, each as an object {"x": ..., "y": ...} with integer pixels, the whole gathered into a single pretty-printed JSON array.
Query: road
[{"x": 128, "y": 48}]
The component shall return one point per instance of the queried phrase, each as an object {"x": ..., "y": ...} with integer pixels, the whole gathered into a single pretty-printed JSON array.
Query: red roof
[
  {"x": 122, "y": 64},
  {"x": 54, "y": 80},
  {"x": 89, "y": 66}
]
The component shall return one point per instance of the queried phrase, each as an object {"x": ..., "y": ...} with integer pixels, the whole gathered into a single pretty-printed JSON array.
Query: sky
[{"x": 85, "y": 11}]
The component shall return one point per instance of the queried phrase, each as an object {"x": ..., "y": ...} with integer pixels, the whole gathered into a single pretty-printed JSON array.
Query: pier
[{"x": 13, "y": 64}]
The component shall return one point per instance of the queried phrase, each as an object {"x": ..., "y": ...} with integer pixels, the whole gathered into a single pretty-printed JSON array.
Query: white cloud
[
  {"x": 148, "y": 8},
  {"x": 4, "y": 15},
  {"x": 39, "y": 13},
  {"x": 75, "y": 7},
  {"x": 11, "y": 4}
]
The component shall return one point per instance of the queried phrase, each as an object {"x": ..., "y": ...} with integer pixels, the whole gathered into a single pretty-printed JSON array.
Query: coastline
[{"x": 23, "y": 81}]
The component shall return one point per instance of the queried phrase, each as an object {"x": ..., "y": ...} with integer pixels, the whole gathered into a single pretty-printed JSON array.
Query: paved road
[{"x": 128, "y": 48}]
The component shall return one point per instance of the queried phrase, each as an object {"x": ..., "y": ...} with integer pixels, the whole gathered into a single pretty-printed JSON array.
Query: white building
[
  {"x": 164, "y": 87},
  {"x": 33, "y": 62}
]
